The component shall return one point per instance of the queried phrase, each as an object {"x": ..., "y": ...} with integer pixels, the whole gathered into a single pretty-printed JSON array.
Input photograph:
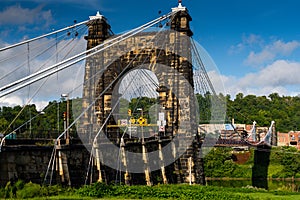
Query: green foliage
[
  {"x": 285, "y": 110},
  {"x": 289, "y": 159},
  {"x": 204, "y": 102},
  {"x": 96, "y": 190},
  {"x": 19, "y": 185},
  {"x": 29, "y": 123},
  {"x": 8, "y": 190},
  {"x": 22, "y": 190},
  {"x": 284, "y": 163},
  {"x": 30, "y": 190},
  {"x": 182, "y": 191},
  {"x": 144, "y": 103},
  {"x": 2, "y": 193},
  {"x": 251, "y": 159},
  {"x": 218, "y": 163},
  {"x": 101, "y": 190},
  {"x": 160, "y": 192},
  {"x": 242, "y": 171}
]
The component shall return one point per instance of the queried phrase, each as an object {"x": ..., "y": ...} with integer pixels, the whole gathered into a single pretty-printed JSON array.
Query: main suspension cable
[
  {"x": 82, "y": 113},
  {"x": 42, "y": 36},
  {"x": 121, "y": 38}
]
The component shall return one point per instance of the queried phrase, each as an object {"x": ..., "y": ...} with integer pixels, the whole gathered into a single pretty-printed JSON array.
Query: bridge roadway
[
  {"x": 21, "y": 143},
  {"x": 27, "y": 159}
]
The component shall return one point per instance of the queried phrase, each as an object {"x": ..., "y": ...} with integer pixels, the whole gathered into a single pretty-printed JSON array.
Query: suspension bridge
[{"x": 117, "y": 140}]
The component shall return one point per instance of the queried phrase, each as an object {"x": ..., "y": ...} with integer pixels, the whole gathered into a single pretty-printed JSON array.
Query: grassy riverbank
[
  {"x": 284, "y": 162},
  {"x": 219, "y": 163},
  {"x": 102, "y": 191}
]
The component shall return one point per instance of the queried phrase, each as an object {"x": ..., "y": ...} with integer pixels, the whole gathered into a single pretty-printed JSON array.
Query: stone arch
[
  {"x": 175, "y": 54},
  {"x": 151, "y": 59}
]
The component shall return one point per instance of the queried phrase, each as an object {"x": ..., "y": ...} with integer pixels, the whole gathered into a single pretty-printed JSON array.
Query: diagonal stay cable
[
  {"x": 109, "y": 43},
  {"x": 45, "y": 35},
  {"x": 198, "y": 58},
  {"x": 85, "y": 110},
  {"x": 109, "y": 115},
  {"x": 38, "y": 89}
]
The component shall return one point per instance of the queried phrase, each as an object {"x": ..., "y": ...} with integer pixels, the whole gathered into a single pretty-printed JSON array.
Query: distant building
[
  {"x": 233, "y": 132},
  {"x": 291, "y": 138}
]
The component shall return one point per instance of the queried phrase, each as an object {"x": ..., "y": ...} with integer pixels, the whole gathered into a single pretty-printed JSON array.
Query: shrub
[
  {"x": 218, "y": 163},
  {"x": 7, "y": 190},
  {"x": 2, "y": 193},
  {"x": 30, "y": 190},
  {"x": 19, "y": 185},
  {"x": 95, "y": 190}
]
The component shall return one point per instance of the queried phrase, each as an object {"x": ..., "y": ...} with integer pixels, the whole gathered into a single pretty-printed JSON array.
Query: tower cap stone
[
  {"x": 179, "y": 7},
  {"x": 97, "y": 16}
]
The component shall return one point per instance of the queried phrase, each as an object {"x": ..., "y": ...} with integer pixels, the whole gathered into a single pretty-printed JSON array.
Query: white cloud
[
  {"x": 79, "y": 3},
  {"x": 276, "y": 73},
  {"x": 247, "y": 41},
  {"x": 11, "y": 101},
  {"x": 17, "y": 15},
  {"x": 277, "y": 77},
  {"x": 259, "y": 58},
  {"x": 279, "y": 73},
  {"x": 271, "y": 52},
  {"x": 219, "y": 81},
  {"x": 262, "y": 52},
  {"x": 252, "y": 39},
  {"x": 55, "y": 85},
  {"x": 284, "y": 48},
  {"x": 40, "y": 105}
]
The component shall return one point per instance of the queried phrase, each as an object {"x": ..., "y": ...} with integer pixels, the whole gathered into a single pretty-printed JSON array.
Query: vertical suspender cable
[
  {"x": 42, "y": 36},
  {"x": 96, "y": 49}
]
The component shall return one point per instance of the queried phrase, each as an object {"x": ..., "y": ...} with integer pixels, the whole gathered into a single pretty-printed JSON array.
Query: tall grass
[{"x": 101, "y": 190}]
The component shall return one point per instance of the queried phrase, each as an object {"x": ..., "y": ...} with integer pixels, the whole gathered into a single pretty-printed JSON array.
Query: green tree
[
  {"x": 218, "y": 163},
  {"x": 290, "y": 159},
  {"x": 143, "y": 103},
  {"x": 204, "y": 102}
]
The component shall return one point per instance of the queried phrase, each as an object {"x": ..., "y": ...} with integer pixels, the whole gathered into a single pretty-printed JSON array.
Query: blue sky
[{"x": 255, "y": 44}]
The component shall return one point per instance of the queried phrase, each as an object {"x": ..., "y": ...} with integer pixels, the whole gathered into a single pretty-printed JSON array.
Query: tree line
[
  {"x": 284, "y": 162},
  {"x": 284, "y": 110}
]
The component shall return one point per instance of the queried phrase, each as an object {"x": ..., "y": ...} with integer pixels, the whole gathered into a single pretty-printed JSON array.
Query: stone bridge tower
[{"x": 102, "y": 74}]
